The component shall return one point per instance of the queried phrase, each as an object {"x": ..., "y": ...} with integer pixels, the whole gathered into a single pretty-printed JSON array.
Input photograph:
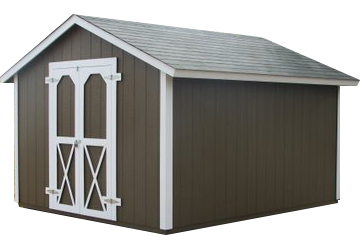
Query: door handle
[{"x": 76, "y": 143}]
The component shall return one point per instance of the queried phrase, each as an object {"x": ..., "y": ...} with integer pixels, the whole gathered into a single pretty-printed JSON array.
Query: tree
[{"x": 334, "y": 40}]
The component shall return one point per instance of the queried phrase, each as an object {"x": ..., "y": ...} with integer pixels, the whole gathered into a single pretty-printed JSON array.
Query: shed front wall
[
  {"x": 243, "y": 149},
  {"x": 137, "y": 128}
]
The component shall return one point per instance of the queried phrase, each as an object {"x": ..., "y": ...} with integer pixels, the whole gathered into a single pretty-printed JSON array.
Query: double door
[{"x": 82, "y": 137}]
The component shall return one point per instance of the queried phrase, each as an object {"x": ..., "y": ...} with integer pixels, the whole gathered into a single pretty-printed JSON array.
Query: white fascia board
[
  {"x": 38, "y": 49},
  {"x": 262, "y": 78},
  {"x": 76, "y": 20}
]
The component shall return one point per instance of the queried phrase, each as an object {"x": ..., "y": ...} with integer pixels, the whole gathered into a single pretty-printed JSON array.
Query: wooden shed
[
  {"x": 4, "y": 122},
  {"x": 169, "y": 129}
]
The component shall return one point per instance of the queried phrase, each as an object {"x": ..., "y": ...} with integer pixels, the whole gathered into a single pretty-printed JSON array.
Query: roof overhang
[
  {"x": 76, "y": 20},
  {"x": 262, "y": 78},
  {"x": 160, "y": 65}
]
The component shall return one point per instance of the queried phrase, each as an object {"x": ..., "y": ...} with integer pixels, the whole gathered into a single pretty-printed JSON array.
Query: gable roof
[{"x": 182, "y": 52}]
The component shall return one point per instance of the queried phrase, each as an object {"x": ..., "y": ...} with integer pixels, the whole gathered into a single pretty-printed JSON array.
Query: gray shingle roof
[{"x": 190, "y": 49}]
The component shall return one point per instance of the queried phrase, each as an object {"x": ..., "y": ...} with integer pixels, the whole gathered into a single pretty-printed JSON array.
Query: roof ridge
[{"x": 173, "y": 27}]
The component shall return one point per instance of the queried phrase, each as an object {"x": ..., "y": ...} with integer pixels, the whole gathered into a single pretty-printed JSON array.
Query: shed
[
  {"x": 169, "y": 129},
  {"x": 4, "y": 122}
]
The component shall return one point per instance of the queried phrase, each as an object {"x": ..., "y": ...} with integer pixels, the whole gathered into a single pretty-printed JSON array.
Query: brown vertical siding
[
  {"x": 95, "y": 107},
  {"x": 152, "y": 192},
  {"x": 250, "y": 148},
  {"x": 23, "y": 138},
  {"x": 66, "y": 107},
  {"x": 32, "y": 134},
  {"x": 128, "y": 177},
  {"x": 40, "y": 102},
  {"x": 137, "y": 127}
]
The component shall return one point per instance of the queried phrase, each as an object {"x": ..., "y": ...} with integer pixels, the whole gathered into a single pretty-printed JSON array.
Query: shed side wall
[
  {"x": 242, "y": 149},
  {"x": 137, "y": 127}
]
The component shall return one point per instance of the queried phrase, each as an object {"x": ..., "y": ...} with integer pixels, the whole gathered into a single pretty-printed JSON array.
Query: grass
[{"x": 336, "y": 219}]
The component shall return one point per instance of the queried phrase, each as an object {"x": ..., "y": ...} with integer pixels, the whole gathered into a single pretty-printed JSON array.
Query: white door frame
[{"x": 79, "y": 71}]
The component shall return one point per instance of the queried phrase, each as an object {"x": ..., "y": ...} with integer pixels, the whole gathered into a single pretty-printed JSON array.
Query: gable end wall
[{"x": 137, "y": 128}]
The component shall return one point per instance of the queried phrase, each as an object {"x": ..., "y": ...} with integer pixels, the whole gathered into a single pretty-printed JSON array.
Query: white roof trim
[
  {"x": 262, "y": 78},
  {"x": 76, "y": 20}
]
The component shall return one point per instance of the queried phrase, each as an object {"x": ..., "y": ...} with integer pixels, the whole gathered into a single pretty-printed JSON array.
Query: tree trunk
[{"x": 347, "y": 117}]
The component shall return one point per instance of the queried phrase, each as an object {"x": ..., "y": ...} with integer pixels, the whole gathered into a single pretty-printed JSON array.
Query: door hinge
[
  {"x": 112, "y": 201},
  {"x": 49, "y": 80},
  {"x": 49, "y": 191},
  {"x": 114, "y": 77}
]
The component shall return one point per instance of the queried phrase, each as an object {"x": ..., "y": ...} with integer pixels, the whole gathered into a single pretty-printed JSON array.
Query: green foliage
[{"x": 333, "y": 39}]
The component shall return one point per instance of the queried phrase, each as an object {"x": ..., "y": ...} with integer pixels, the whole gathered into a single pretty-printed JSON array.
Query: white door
[{"x": 82, "y": 137}]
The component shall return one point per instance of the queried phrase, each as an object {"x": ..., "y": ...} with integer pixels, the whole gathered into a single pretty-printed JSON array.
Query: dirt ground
[{"x": 337, "y": 219}]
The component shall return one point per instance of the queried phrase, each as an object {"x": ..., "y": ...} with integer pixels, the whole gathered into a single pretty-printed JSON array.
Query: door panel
[
  {"x": 94, "y": 168},
  {"x": 95, "y": 107},
  {"x": 66, "y": 107},
  {"x": 66, "y": 166},
  {"x": 82, "y": 131}
]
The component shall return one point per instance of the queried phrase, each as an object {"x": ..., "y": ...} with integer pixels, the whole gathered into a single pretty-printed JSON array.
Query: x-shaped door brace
[
  {"x": 95, "y": 174},
  {"x": 66, "y": 171}
]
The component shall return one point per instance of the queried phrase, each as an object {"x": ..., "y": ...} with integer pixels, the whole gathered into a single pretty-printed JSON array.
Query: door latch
[{"x": 76, "y": 143}]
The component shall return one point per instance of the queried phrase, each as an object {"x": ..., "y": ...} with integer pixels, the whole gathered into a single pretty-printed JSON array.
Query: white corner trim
[
  {"x": 338, "y": 148},
  {"x": 261, "y": 78},
  {"x": 76, "y": 20},
  {"x": 166, "y": 152},
  {"x": 16, "y": 138}
]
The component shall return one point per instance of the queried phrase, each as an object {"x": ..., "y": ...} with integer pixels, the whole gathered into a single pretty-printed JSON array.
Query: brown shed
[{"x": 168, "y": 129}]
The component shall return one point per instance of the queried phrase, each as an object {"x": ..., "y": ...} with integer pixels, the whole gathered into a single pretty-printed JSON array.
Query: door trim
[{"x": 75, "y": 70}]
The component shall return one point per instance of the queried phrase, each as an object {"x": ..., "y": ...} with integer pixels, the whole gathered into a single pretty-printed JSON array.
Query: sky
[{"x": 24, "y": 23}]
